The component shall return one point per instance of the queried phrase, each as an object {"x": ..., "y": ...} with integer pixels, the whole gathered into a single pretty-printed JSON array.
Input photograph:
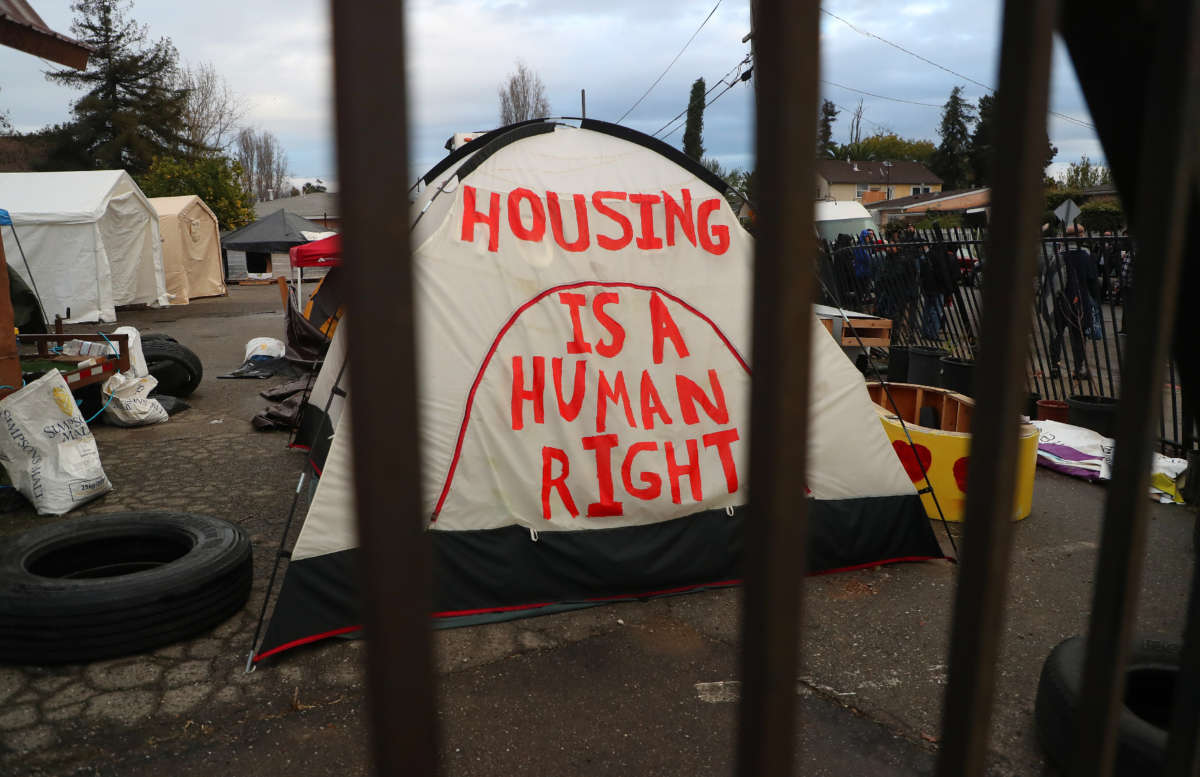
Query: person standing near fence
[
  {"x": 938, "y": 270},
  {"x": 1071, "y": 284}
]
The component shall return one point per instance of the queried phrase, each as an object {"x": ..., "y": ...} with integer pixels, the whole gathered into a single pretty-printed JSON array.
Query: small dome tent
[
  {"x": 91, "y": 239},
  {"x": 191, "y": 248},
  {"x": 583, "y": 316}
]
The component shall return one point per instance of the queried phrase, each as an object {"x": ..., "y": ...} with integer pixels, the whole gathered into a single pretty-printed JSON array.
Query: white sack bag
[
  {"x": 47, "y": 448},
  {"x": 137, "y": 360},
  {"x": 264, "y": 346},
  {"x": 131, "y": 403}
]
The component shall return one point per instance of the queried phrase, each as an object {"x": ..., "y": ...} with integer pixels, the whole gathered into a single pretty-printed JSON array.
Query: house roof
[
  {"x": 837, "y": 171},
  {"x": 900, "y": 203},
  {"x": 22, "y": 29},
  {"x": 319, "y": 205}
]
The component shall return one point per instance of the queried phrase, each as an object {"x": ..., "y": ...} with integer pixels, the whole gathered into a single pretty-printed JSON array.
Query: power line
[
  {"x": 706, "y": 94},
  {"x": 955, "y": 73},
  {"x": 677, "y": 56},
  {"x": 881, "y": 96}
]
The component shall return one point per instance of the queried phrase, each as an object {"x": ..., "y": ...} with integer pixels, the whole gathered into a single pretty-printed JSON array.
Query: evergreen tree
[
  {"x": 130, "y": 113},
  {"x": 983, "y": 140},
  {"x": 825, "y": 145},
  {"x": 952, "y": 161},
  {"x": 693, "y": 144}
]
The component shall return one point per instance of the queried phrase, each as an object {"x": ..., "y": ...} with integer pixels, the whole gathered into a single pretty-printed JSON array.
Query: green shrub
[{"x": 1102, "y": 216}]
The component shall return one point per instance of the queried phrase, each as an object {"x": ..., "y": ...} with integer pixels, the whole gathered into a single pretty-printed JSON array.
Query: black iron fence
[{"x": 930, "y": 283}]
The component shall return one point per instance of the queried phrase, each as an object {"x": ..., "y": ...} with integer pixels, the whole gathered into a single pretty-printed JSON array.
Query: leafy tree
[
  {"x": 887, "y": 146},
  {"x": 983, "y": 143},
  {"x": 131, "y": 112},
  {"x": 1082, "y": 174},
  {"x": 522, "y": 96},
  {"x": 825, "y": 145},
  {"x": 215, "y": 179},
  {"x": 952, "y": 160},
  {"x": 693, "y": 143},
  {"x": 314, "y": 188}
]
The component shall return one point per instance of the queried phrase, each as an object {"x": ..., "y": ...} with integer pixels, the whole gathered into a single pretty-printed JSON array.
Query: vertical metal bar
[
  {"x": 1021, "y": 104},
  {"x": 1175, "y": 437},
  {"x": 787, "y": 46},
  {"x": 1167, "y": 159},
  {"x": 372, "y": 146}
]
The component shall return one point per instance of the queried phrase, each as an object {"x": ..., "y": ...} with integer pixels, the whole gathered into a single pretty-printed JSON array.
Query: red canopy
[{"x": 326, "y": 252}]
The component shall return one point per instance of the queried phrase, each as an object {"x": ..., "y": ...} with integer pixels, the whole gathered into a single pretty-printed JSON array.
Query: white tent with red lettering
[{"x": 583, "y": 317}]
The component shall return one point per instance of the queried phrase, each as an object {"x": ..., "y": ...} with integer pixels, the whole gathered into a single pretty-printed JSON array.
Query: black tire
[
  {"x": 1142, "y": 728},
  {"x": 151, "y": 336},
  {"x": 176, "y": 367},
  {"x": 112, "y": 585}
]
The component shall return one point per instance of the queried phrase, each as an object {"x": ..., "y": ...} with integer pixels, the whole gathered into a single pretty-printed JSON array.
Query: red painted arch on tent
[{"x": 462, "y": 430}]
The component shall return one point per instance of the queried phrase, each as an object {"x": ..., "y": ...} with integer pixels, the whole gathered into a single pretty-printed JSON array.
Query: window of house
[
  {"x": 860, "y": 189},
  {"x": 916, "y": 190}
]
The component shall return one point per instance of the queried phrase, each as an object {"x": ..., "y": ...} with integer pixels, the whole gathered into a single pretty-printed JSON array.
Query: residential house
[
  {"x": 321, "y": 207},
  {"x": 868, "y": 182},
  {"x": 917, "y": 206}
]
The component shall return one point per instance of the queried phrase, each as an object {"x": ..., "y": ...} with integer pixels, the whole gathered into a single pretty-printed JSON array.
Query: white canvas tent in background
[
  {"x": 91, "y": 240},
  {"x": 191, "y": 246},
  {"x": 582, "y": 300}
]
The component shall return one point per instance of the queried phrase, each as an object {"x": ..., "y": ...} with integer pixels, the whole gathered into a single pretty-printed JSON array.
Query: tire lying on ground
[
  {"x": 1142, "y": 729},
  {"x": 111, "y": 585},
  {"x": 176, "y": 367}
]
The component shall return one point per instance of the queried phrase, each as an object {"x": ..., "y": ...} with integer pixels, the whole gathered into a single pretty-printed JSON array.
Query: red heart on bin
[
  {"x": 910, "y": 460},
  {"x": 960, "y": 473}
]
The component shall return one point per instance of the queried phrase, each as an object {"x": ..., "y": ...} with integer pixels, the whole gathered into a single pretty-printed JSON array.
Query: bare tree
[
  {"x": 211, "y": 109},
  {"x": 522, "y": 96},
  {"x": 856, "y": 124},
  {"x": 264, "y": 163}
]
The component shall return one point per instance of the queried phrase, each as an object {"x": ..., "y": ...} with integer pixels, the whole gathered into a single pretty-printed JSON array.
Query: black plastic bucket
[
  {"x": 925, "y": 366},
  {"x": 1096, "y": 413},
  {"x": 898, "y": 364},
  {"x": 957, "y": 374}
]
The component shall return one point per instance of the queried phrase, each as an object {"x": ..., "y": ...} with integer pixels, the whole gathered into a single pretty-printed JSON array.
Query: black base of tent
[{"x": 495, "y": 573}]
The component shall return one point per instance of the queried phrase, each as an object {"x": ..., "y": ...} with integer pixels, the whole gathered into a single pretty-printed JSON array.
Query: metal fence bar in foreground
[
  {"x": 369, "y": 80},
  {"x": 786, "y": 63},
  {"x": 1021, "y": 104},
  {"x": 1165, "y": 159}
]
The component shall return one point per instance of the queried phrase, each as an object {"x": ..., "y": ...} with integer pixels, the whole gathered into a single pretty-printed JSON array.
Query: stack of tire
[
  {"x": 112, "y": 585},
  {"x": 176, "y": 367}
]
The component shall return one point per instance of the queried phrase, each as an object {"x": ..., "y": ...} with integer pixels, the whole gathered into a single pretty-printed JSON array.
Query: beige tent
[{"x": 191, "y": 248}]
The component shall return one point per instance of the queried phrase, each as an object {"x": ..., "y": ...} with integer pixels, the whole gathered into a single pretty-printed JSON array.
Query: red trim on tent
[
  {"x": 326, "y": 252},
  {"x": 868, "y": 565},
  {"x": 305, "y": 641},
  {"x": 462, "y": 431},
  {"x": 619, "y": 597}
]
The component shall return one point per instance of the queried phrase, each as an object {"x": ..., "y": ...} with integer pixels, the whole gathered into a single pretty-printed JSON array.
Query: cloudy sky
[{"x": 275, "y": 54}]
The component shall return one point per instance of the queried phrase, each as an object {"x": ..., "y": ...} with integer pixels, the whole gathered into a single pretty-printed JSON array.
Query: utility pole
[{"x": 583, "y": 103}]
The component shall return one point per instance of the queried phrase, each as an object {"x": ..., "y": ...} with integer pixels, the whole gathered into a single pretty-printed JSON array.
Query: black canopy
[{"x": 275, "y": 233}]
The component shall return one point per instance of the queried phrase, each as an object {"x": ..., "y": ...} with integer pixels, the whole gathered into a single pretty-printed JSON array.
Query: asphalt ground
[{"x": 632, "y": 688}]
